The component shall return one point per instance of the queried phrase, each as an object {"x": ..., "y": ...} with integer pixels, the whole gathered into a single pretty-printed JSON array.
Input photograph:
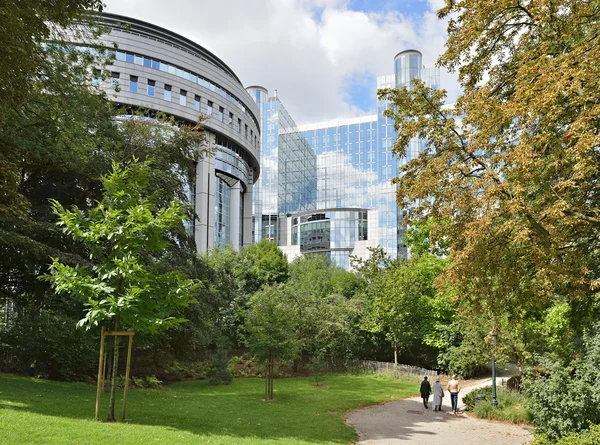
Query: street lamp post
[{"x": 494, "y": 340}]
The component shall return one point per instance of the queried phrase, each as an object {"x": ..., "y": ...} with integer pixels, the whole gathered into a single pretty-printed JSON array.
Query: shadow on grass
[{"x": 300, "y": 411}]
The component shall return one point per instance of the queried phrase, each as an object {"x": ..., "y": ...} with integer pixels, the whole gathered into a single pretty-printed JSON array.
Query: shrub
[
  {"x": 511, "y": 405},
  {"x": 237, "y": 359},
  {"x": 588, "y": 437},
  {"x": 200, "y": 369},
  {"x": 469, "y": 399},
  {"x": 47, "y": 344},
  {"x": 219, "y": 373},
  {"x": 566, "y": 401},
  {"x": 153, "y": 382},
  {"x": 139, "y": 382}
]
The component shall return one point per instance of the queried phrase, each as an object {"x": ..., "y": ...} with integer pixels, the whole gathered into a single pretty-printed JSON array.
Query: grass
[
  {"x": 34, "y": 411},
  {"x": 511, "y": 408}
]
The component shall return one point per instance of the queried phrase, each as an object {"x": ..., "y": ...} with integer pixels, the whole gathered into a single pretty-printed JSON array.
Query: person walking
[
  {"x": 454, "y": 389},
  {"x": 438, "y": 394},
  {"x": 425, "y": 391}
]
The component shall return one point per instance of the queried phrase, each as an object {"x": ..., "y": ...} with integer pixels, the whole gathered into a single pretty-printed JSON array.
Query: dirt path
[{"x": 407, "y": 422}]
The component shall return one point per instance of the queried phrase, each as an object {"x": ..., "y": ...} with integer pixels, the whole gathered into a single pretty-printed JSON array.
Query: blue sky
[
  {"x": 416, "y": 7},
  {"x": 360, "y": 88}
]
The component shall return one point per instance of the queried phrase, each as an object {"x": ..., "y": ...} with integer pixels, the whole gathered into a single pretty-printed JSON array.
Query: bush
[
  {"x": 49, "y": 345},
  {"x": 588, "y": 437},
  {"x": 153, "y": 382},
  {"x": 219, "y": 373},
  {"x": 566, "y": 400},
  {"x": 469, "y": 399},
  {"x": 511, "y": 405}
]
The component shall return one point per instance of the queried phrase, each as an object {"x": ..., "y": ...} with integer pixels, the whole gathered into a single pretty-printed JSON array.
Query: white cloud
[{"x": 306, "y": 49}]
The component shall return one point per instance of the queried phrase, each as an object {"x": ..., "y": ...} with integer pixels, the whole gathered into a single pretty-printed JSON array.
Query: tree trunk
[
  {"x": 395, "y": 352},
  {"x": 113, "y": 381},
  {"x": 269, "y": 379}
]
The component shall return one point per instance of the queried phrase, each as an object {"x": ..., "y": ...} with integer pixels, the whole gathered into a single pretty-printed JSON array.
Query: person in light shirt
[
  {"x": 438, "y": 394},
  {"x": 454, "y": 389}
]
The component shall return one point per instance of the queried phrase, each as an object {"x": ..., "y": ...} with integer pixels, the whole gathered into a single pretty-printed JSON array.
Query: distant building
[{"x": 354, "y": 206}]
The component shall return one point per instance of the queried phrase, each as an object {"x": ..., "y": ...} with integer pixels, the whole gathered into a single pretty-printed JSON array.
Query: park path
[{"x": 405, "y": 422}]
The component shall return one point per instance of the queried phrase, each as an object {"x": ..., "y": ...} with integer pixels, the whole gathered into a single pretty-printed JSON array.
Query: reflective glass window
[
  {"x": 167, "y": 94},
  {"x": 151, "y": 87},
  {"x": 209, "y": 108},
  {"x": 133, "y": 84},
  {"x": 182, "y": 97}
]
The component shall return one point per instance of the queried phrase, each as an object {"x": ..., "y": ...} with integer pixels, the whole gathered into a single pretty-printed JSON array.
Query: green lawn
[{"x": 36, "y": 411}]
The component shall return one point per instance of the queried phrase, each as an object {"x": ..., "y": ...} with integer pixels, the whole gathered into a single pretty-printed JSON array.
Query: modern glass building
[
  {"x": 288, "y": 181},
  {"x": 355, "y": 202},
  {"x": 158, "y": 70}
]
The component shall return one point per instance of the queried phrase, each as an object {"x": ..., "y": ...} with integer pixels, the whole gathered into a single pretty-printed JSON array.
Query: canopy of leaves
[
  {"x": 510, "y": 174},
  {"x": 126, "y": 236}
]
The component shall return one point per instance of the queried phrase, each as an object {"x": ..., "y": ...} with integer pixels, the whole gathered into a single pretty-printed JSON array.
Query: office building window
[
  {"x": 246, "y": 128},
  {"x": 167, "y": 95},
  {"x": 151, "y": 87},
  {"x": 221, "y": 113},
  {"x": 230, "y": 119},
  {"x": 196, "y": 102},
  {"x": 182, "y": 97},
  {"x": 239, "y": 125},
  {"x": 133, "y": 84},
  {"x": 209, "y": 108}
]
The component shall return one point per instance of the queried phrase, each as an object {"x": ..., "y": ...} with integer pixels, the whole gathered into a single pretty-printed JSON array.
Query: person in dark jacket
[{"x": 425, "y": 391}]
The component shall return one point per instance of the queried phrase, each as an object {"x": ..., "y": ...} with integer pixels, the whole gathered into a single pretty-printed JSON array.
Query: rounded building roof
[
  {"x": 408, "y": 51},
  {"x": 161, "y": 34}
]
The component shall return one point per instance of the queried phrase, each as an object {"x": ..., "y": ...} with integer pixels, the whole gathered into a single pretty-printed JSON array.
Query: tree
[
  {"x": 510, "y": 175},
  {"x": 325, "y": 316},
  {"x": 269, "y": 324},
  {"x": 124, "y": 283},
  {"x": 261, "y": 263}
]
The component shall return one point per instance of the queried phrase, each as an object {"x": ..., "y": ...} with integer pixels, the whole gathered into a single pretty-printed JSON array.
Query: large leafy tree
[
  {"x": 325, "y": 316},
  {"x": 126, "y": 283},
  {"x": 270, "y": 330},
  {"x": 510, "y": 175}
]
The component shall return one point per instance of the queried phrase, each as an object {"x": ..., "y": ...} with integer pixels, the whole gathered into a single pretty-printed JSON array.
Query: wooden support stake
[
  {"x": 100, "y": 367},
  {"x": 127, "y": 375},
  {"x": 104, "y": 371}
]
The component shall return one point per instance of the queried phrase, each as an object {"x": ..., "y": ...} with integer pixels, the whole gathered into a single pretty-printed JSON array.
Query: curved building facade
[{"x": 159, "y": 70}]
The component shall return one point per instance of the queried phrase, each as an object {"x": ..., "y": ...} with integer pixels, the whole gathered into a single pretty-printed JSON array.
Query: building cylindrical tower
[
  {"x": 407, "y": 66},
  {"x": 260, "y": 96},
  {"x": 159, "y": 70}
]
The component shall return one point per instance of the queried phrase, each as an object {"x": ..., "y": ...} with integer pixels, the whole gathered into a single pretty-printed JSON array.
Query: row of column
[{"x": 204, "y": 227}]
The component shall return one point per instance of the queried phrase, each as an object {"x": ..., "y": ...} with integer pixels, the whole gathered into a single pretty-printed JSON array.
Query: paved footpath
[{"x": 408, "y": 422}]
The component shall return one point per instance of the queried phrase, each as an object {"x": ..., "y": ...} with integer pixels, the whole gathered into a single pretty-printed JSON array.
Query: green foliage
[
  {"x": 219, "y": 373},
  {"x": 262, "y": 263},
  {"x": 566, "y": 401},
  {"x": 469, "y": 399},
  {"x": 152, "y": 382},
  {"x": 126, "y": 239},
  {"x": 511, "y": 405},
  {"x": 47, "y": 344},
  {"x": 138, "y": 381},
  {"x": 588, "y": 437},
  {"x": 270, "y": 324},
  {"x": 325, "y": 319}
]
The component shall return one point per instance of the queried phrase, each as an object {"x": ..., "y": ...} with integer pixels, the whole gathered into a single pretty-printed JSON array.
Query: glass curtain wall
[{"x": 287, "y": 183}]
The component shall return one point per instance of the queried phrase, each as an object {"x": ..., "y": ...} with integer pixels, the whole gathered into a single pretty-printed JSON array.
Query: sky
[{"x": 322, "y": 56}]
